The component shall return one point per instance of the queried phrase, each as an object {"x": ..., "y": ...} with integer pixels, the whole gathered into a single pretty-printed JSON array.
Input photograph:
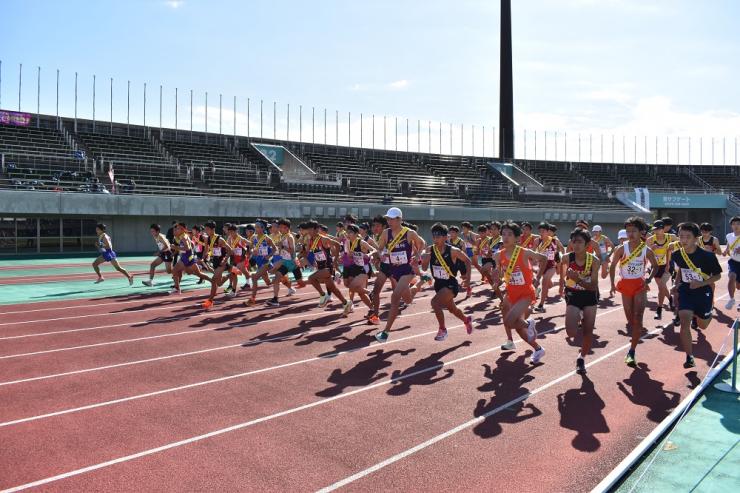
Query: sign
[
  {"x": 275, "y": 154},
  {"x": 680, "y": 200},
  {"x": 642, "y": 197},
  {"x": 14, "y": 118}
]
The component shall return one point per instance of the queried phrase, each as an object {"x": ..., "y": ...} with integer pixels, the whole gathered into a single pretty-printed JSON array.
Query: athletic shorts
[
  {"x": 469, "y": 252},
  {"x": 581, "y": 298},
  {"x": 201, "y": 254},
  {"x": 353, "y": 271},
  {"x": 259, "y": 262},
  {"x": 108, "y": 255},
  {"x": 698, "y": 301},
  {"x": 166, "y": 256},
  {"x": 398, "y": 271},
  {"x": 462, "y": 268},
  {"x": 734, "y": 267},
  {"x": 188, "y": 259},
  {"x": 217, "y": 261},
  {"x": 450, "y": 284},
  {"x": 488, "y": 260},
  {"x": 604, "y": 257},
  {"x": 660, "y": 271},
  {"x": 385, "y": 269},
  {"x": 252, "y": 263},
  {"x": 631, "y": 287},
  {"x": 518, "y": 293},
  {"x": 550, "y": 265}
]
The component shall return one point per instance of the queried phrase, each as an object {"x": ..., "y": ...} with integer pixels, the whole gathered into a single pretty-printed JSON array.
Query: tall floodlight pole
[{"x": 506, "y": 86}]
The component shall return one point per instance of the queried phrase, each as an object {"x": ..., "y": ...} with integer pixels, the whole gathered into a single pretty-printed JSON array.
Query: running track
[{"x": 148, "y": 392}]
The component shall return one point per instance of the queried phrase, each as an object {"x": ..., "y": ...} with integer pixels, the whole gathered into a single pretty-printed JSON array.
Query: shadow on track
[
  {"x": 581, "y": 411},
  {"x": 649, "y": 393}
]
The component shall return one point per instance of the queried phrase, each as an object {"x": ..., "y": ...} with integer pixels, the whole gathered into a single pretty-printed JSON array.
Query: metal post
[
  {"x": 93, "y": 103},
  {"x": 111, "y": 105},
  {"x": 75, "y": 102},
  {"x": 20, "y": 84},
  {"x": 57, "y": 97},
  {"x": 160, "y": 111},
  {"x": 220, "y": 114},
  {"x": 38, "y": 97},
  {"x": 128, "y": 108},
  {"x": 206, "y": 116},
  {"x": 724, "y": 387},
  {"x": 145, "y": 104},
  {"x": 261, "y": 121}
]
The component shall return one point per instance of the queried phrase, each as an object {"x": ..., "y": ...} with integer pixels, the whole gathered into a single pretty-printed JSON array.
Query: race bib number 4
[
  {"x": 439, "y": 272},
  {"x": 398, "y": 258}
]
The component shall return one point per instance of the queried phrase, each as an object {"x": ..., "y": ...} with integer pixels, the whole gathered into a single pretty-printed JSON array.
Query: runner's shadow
[
  {"x": 364, "y": 373},
  {"x": 362, "y": 341},
  {"x": 703, "y": 349},
  {"x": 506, "y": 382},
  {"x": 577, "y": 341},
  {"x": 581, "y": 411},
  {"x": 423, "y": 372},
  {"x": 489, "y": 320},
  {"x": 649, "y": 393}
]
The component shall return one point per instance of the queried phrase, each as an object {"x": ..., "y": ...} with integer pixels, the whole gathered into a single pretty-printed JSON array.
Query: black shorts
[
  {"x": 698, "y": 301},
  {"x": 659, "y": 271},
  {"x": 352, "y": 271},
  {"x": 488, "y": 261},
  {"x": 461, "y": 267},
  {"x": 385, "y": 269},
  {"x": 166, "y": 256},
  {"x": 451, "y": 284},
  {"x": 581, "y": 298},
  {"x": 252, "y": 262},
  {"x": 217, "y": 262},
  {"x": 297, "y": 272},
  {"x": 201, "y": 254}
]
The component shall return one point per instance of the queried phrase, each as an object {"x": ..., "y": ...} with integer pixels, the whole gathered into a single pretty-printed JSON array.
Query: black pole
[{"x": 506, "y": 86}]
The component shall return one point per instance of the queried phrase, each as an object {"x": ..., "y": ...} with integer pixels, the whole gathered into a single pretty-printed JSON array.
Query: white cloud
[
  {"x": 608, "y": 95},
  {"x": 174, "y": 4},
  {"x": 398, "y": 84}
]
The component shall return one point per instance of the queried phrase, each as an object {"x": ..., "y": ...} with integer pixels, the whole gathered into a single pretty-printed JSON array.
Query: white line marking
[{"x": 253, "y": 422}]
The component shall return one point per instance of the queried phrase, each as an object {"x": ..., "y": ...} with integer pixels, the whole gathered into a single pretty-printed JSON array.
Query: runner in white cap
[{"x": 606, "y": 247}]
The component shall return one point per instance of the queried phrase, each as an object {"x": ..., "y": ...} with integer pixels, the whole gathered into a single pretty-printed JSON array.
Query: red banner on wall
[{"x": 15, "y": 118}]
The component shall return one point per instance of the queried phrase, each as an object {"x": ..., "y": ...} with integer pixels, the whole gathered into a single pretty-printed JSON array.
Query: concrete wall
[{"x": 129, "y": 216}]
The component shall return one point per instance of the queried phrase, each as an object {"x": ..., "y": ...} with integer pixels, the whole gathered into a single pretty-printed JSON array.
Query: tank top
[
  {"x": 521, "y": 275},
  {"x": 484, "y": 247},
  {"x": 548, "y": 249},
  {"x": 710, "y": 246},
  {"x": 384, "y": 252},
  {"x": 733, "y": 245},
  {"x": 101, "y": 243},
  {"x": 354, "y": 252},
  {"x": 262, "y": 249},
  {"x": 443, "y": 272},
  {"x": 214, "y": 249},
  {"x": 185, "y": 245},
  {"x": 400, "y": 254},
  {"x": 321, "y": 255},
  {"x": 634, "y": 269},
  {"x": 527, "y": 241},
  {"x": 661, "y": 250},
  {"x": 237, "y": 248},
  {"x": 284, "y": 247},
  {"x": 458, "y": 243},
  {"x": 602, "y": 244},
  {"x": 581, "y": 269},
  {"x": 160, "y": 244}
]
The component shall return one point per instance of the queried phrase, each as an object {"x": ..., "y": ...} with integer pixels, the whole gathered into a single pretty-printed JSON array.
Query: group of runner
[{"x": 518, "y": 265}]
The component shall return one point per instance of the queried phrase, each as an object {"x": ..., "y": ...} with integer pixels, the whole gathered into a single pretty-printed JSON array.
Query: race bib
[
  {"x": 320, "y": 256},
  {"x": 634, "y": 269},
  {"x": 517, "y": 278},
  {"x": 358, "y": 258},
  {"x": 217, "y": 252},
  {"x": 550, "y": 254},
  {"x": 603, "y": 248},
  {"x": 238, "y": 251},
  {"x": 263, "y": 251},
  {"x": 439, "y": 272},
  {"x": 102, "y": 249},
  {"x": 160, "y": 245},
  {"x": 688, "y": 275},
  {"x": 398, "y": 258}
]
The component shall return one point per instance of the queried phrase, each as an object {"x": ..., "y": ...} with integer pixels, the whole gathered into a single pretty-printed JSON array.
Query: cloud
[
  {"x": 174, "y": 4},
  {"x": 608, "y": 95},
  {"x": 398, "y": 85}
]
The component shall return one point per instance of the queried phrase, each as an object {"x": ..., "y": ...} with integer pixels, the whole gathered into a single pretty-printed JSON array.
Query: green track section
[{"x": 702, "y": 454}]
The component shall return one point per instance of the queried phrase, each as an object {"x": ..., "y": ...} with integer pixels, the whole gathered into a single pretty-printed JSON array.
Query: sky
[{"x": 646, "y": 78}]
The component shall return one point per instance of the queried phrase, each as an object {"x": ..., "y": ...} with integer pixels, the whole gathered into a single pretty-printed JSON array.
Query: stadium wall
[{"x": 129, "y": 216}]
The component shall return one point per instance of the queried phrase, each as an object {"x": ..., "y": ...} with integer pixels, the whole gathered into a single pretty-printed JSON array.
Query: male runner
[
  {"x": 164, "y": 253},
  {"x": 105, "y": 247}
]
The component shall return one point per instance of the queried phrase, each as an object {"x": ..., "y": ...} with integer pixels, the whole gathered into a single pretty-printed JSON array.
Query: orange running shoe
[{"x": 207, "y": 304}]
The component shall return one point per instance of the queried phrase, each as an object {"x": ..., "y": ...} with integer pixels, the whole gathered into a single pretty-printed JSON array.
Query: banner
[
  {"x": 15, "y": 118},
  {"x": 642, "y": 197}
]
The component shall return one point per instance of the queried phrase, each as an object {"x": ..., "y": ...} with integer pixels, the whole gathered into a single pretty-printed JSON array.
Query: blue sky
[{"x": 647, "y": 68}]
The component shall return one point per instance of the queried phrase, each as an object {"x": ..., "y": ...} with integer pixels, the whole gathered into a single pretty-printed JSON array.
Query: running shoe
[
  {"x": 291, "y": 291},
  {"x": 427, "y": 279},
  {"x": 580, "y": 366},
  {"x": 441, "y": 335},
  {"x": 131, "y": 281},
  {"x": 100, "y": 279},
  {"x": 469, "y": 324},
  {"x": 659, "y": 313},
  {"x": 231, "y": 294},
  {"x": 147, "y": 283},
  {"x": 175, "y": 291},
  {"x": 676, "y": 321},
  {"x": 207, "y": 304},
  {"x": 323, "y": 300},
  {"x": 694, "y": 324},
  {"x": 272, "y": 302},
  {"x": 250, "y": 302},
  {"x": 347, "y": 308},
  {"x": 381, "y": 336},
  {"x": 374, "y": 319},
  {"x": 539, "y": 309},
  {"x": 401, "y": 305},
  {"x": 228, "y": 289},
  {"x": 531, "y": 330},
  {"x": 730, "y": 303},
  {"x": 689, "y": 363},
  {"x": 508, "y": 346},
  {"x": 200, "y": 281},
  {"x": 537, "y": 355},
  {"x": 630, "y": 359},
  {"x": 246, "y": 285}
]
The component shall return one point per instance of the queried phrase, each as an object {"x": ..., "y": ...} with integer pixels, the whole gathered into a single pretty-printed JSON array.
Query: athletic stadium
[{"x": 290, "y": 297}]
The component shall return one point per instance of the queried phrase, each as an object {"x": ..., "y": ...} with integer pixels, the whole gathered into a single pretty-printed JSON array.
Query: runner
[
  {"x": 527, "y": 240},
  {"x": 549, "y": 246},
  {"x": 105, "y": 247},
  {"x": 238, "y": 260},
  {"x": 733, "y": 250},
  {"x": 286, "y": 262},
  {"x": 470, "y": 239},
  {"x": 484, "y": 254},
  {"x": 323, "y": 250},
  {"x": 659, "y": 243},
  {"x": 606, "y": 247},
  {"x": 444, "y": 261},
  {"x": 707, "y": 241},
  {"x": 186, "y": 259},
  {"x": 164, "y": 253},
  {"x": 399, "y": 241},
  {"x": 631, "y": 258},
  {"x": 355, "y": 274},
  {"x": 459, "y": 243},
  {"x": 515, "y": 266},
  {"x": 383, "y": 269},
  {"x": 263, "y": 249},
  {"x": 698, "y": 270},
  {"x": 218, "y": 254},
  {"x": 200, "y": 240},
  {"x": 581, "y": 292}
]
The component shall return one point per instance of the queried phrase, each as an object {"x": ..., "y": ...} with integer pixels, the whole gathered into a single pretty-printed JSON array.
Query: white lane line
[
  {"x": 207, "y": 350},
  {"x": 263, "y": 419},
  {"x": 474, "y": 421}
]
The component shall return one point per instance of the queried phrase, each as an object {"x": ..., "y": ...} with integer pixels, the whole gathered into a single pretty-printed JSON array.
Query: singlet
[
  {"x": 528, "y": 241},
  {"x": 458, "y": 243},
  {"x": 572, "y": 264},
  {"x": 261, "y": 248},
  {"x": 634, "y": 269},
  {"x": 521, "y": 275},
  {"x": 237, "y": 249},
  {"x": 400, "y": 254},
  {"x": 496, "y": 245},
  {"x": 661, "y": 250},
  {"x": 484, "y": 247},
  {"x": 321, "y": 255},
  {"x": 384, "y": 259},
  {"x": 284, "y": 247},
  {"x": 733, "y": 246},
  {"x": 440, "y": 271},
  {"x": 101, "y": 243},
  {"x": 354, "y": 253},
  {"x": 468, "y": 239},
  {"x": 161, "y": 244},
  {"x": 549, "y": 250},
  {"x": 602, "y": 244},
  {"x": 214, "y": 249},
  {"x": 184, "y": 245},
  {"x": 711, "y": 246}
]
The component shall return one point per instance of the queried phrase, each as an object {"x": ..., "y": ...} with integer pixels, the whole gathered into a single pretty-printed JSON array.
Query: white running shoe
[
  {"x": 291, "y": 291},
  {"x": 323, "y": 300},
  {"x": 347, "y": 308},
  {"x": 730, "y": 303},
  {"x": 537, "y": 355},
  {"x": 230, "y": 294},
  {"x": 174, "y": 291},
  {"x": 531, "y": 331},
  {"x": 147, "y": 283},
  {"x": 508, "y": 346}
]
